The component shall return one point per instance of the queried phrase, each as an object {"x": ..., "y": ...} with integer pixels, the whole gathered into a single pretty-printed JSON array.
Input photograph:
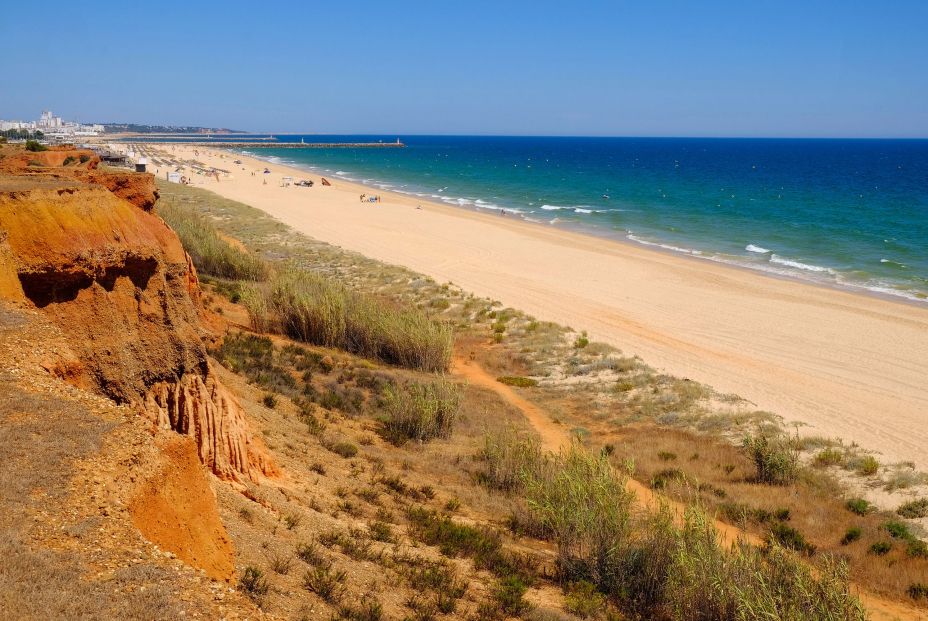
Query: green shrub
[
  {"x": 866, "y": 466},
  {"x": 516, "y": 380},
  {"x": 270, "y": 400},
  {"x": 509, "y": 595},
  {"x": 380, "y": 531},
  {"x": 880, "y": 548},
  {"x": 666, "y": 476},
  {"x": 68, "y": 161},
  {"x": 255, "y": 357},
  {"x": 789, "y": 538},
  {"x": 210, "y": 253},
  {"x": 917, "y": 590},
  {"x": 858, "y": 506},
  {"x": 327, "y": 584},
  {"x": 281, "y": 564},
  {"x": 440, "y": 577},
  {"x": 309, "y": 553},
  {"x": 851, "y": 535},
  {"x": 453, "y": 539},
  {"x": 345, "y": 449},
  {"x": 315, "y": 309},
  {"x": 776, "y": 459},
  {"x": 582, "y": 599},
  {"x": 34, "y": 145},
  {"x": 84, "y": 158},
  {"x": 420, "y": 411},
  {"x": 916, "y": 548},
  {"x": 914, "y": 509},
  {"x": 897, "y": 530},
  {"x": 253, "y": 583},
  {"x": 829, "y": 457}
]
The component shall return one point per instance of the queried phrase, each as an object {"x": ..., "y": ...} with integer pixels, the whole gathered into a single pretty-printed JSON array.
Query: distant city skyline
[{"x": 719, "y": 69}]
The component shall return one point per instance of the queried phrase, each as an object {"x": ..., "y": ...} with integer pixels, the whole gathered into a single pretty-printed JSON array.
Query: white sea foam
[
  {"x": 895, "y": 263},
  {"x": 645, "y": 242},
  {"x": 457, "y": 201},
  {"x": 799, "y": 265},
  {"x": 553, "y": 207},
  {"x": 757, "y": 249},
  {"x": 342, "y": 172}
]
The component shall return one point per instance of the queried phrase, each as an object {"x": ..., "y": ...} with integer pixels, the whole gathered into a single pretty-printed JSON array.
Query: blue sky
[{"x": 648, "y": 68}]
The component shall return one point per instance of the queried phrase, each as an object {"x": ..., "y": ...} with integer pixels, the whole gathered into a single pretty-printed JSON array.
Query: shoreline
[
  {"x": 843, "y": 364},
  {"x": 627, "y": 236}
]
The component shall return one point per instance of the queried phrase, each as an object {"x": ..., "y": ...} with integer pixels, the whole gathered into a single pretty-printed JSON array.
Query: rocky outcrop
[
  {"x": 205, "y": 410},
  {"x": 83, "y": 166},
  {"x": 116, "y": 280}
]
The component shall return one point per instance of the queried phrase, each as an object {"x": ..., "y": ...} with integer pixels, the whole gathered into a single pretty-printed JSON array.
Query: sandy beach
[{"x": 837, "y": 363}]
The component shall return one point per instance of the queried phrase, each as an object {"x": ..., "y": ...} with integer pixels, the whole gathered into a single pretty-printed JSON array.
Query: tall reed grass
[
  {"x": 210, "y": 253},
  {"x": 582, "y": 500},
  {"x": 511, "y": 458},
  {"x": 706, "y": 580},
  {"x": 315, "y": 309},
  {"x": 421, "y": 411},
  {"x": 652, "y": 565}
]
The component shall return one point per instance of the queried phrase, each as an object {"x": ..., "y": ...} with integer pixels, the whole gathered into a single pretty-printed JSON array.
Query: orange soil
[
  {"x": 176, "y": 510},
  {"x": 554, "y": 437}
]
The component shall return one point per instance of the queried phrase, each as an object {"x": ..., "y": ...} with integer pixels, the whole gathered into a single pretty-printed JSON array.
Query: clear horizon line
[{"x": 667, "y": 136}]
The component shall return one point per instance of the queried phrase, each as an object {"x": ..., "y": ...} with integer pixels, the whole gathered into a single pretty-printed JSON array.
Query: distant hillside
[{"x": 112, "y": 128}]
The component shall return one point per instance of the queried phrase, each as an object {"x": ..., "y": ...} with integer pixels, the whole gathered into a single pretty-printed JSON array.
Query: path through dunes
[
  {"x": 844, "y": 365},
  {"x": 554, "y": 437}
]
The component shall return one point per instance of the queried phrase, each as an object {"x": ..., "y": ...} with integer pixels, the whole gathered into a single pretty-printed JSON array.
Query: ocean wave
[
  {"x": 457, "y": 201},
  {"x": 894, "y": 263},
  {"x": 645, "y": 242},
  {"x": 799, "y": 265},
  {"x": 485, "y": 205},
  {"x": 553, "y": 207},
  {"x": 757, "y": 249}
]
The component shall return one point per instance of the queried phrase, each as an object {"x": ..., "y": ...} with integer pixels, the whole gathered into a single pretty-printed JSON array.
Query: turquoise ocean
[{"x": 846, "y": 213}]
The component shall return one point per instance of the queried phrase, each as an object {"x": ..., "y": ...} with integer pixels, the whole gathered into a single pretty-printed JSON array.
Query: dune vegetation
[{"x": 467, "y": 509}]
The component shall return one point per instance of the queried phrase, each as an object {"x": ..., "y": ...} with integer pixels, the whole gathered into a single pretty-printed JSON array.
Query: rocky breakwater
[{"x": 86, "y": 248}]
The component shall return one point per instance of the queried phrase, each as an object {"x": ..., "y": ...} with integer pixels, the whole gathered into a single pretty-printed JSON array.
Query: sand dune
[{"x": 842, "y": 364}]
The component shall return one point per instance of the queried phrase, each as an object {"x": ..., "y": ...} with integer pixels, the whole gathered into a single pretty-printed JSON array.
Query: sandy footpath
[{"x": 842, "y": 364}]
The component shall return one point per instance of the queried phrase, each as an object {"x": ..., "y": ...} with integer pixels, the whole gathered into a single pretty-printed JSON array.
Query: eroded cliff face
[{"x": 115, "y": 278}]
